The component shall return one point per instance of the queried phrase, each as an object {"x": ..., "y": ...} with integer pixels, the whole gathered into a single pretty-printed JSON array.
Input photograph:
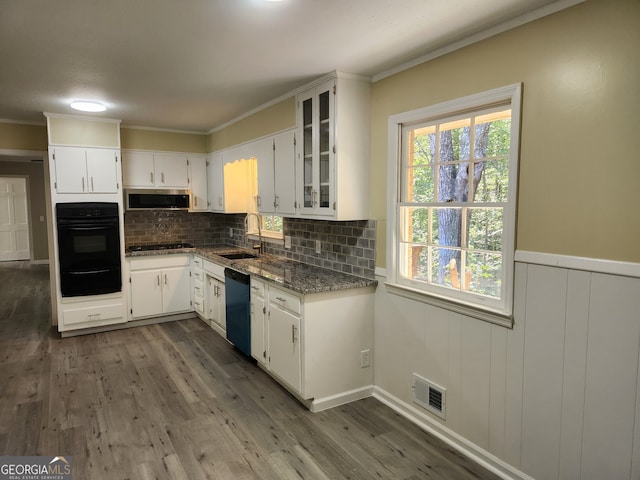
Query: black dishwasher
[{"x": 237, "y": 306}]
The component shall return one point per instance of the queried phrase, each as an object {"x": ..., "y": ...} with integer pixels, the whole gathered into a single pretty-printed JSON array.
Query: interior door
[{"x": 14, "y": 219}]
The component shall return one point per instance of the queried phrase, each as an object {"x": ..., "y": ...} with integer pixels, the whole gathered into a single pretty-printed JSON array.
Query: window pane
[
  {"x": 493, "y": 184},
  {"x": 414, "y": 224},
  {"x": 445, "y": 263},
  {"x": 446, "y": 227},
  {"x": 485, "y": 229},
  {"x": 419, "y": 184},
  {"x": 486, "y": 273},
  {"x": 493, "y": 138},
  {"x": 455, "y": 140},
  {"x": 414, "y": 261},
  {"x": 423, "y": 146}
]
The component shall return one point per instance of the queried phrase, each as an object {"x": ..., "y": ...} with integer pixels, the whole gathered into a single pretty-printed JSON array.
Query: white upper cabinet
[
  {"x": 285, "y": 169},
  {"x": 142, "y": 169},
  {"x": 85, "y": 170},
  {"x": 198, "y": 182},
  {"x": 231, "y": 180},
  {"x": 275, "y": 157},
  {"x": 332, "y": 171},
  {"x": 215, "y": 182},
  {"x": 263, "y": 151}
]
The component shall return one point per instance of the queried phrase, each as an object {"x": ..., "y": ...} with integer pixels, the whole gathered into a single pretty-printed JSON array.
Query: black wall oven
[{"x": 89, "y": 248}]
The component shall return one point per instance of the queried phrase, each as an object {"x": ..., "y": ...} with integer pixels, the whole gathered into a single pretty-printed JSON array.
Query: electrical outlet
[
  {"x": 318, "y": 246},
  {"x": 230, "y": 232},
  {"x": 365, "y": 361},
  {"x": 287, "y": 241}
]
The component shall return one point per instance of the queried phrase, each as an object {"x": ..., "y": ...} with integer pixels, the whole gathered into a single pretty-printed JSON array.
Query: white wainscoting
[{"x": 556, "y": 397}]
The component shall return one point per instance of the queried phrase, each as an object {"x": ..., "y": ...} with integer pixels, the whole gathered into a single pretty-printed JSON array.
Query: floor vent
[{"x": 429, "y": 395}]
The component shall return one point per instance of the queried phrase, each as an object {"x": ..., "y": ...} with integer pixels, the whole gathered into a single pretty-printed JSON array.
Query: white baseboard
[
  {"x": 320, "y": 404},
  {"x": 461, "y": 444}
]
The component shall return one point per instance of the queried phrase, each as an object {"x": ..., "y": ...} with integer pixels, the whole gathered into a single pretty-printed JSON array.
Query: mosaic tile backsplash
[{"x": 347, "y": 247}]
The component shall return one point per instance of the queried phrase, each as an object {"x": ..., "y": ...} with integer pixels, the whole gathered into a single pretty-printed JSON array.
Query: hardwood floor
[{"x": 176, "y": 401}]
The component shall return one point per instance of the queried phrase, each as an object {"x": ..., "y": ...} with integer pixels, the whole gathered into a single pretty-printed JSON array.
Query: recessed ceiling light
[{"x": 88, "y": 106}]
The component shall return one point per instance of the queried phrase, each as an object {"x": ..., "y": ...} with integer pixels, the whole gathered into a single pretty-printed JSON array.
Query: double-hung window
[{"x": 452, "y": 183}]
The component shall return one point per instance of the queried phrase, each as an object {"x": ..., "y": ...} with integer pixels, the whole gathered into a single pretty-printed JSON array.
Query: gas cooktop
[{"x": 159, "y": 246}]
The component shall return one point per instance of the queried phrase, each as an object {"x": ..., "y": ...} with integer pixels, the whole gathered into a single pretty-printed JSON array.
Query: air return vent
[{"x": 429, "y": 395}]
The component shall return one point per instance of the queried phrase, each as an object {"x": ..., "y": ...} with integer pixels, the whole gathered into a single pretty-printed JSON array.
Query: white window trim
[{"x": 503, "y": 315}]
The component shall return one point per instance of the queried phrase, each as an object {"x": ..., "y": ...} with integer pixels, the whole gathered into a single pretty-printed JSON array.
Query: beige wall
[
  {"x": 278, "y": 117},
  {"x": 140, "y": 139},
  {"x": 23, "y": 137},
  {"x": 579, "y": 170},
  {"x": 37, "y": 206},
  {"x": 70, "y": 130}
]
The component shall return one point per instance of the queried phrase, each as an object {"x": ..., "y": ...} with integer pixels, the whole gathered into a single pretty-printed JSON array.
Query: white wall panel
[
  {"x": 474, "y": 381},
  {"x": 574, "y": 372},
  {"x": 515, "y": 371},
  {"x": 543, "y": 359},
  {"x": 497, "y": 394},
  {"x": 612, "y": 372}
]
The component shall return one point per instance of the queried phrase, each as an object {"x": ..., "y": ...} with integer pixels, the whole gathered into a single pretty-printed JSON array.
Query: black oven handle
[
  {"x": 90, "y": 272},
  {"x": 85, "y": 228}
]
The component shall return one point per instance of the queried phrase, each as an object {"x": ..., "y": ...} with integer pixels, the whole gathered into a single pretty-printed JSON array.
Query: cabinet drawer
[
  {"x": 159, "y": 261},
  {"x": 198, "y": 288},
  {"x": 257, "y": 287},
  {"x": 198, "y": 304},
  {"x": 198, "y": 262},
  {"x": 111, "y": 313},
  {"x": 214, "y": 269},
  {"x": 198, "y": 275},
  {"x": 285, "y": 299}
]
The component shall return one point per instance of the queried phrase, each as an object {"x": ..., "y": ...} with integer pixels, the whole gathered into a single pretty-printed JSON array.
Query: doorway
[{"x": 14, "y": 219}]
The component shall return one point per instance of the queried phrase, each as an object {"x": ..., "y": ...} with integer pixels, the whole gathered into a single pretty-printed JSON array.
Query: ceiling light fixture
[{"x": 88, "y": 106}]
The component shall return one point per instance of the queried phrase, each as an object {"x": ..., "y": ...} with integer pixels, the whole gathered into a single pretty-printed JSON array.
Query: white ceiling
[{"x": 194, "y": 65}]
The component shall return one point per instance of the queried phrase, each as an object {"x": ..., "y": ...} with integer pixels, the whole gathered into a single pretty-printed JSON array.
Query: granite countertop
[{"x": 297, "y": 276}]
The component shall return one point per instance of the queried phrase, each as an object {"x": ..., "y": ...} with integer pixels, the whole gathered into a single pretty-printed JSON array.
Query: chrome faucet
[{"x": 257, "y": 246}]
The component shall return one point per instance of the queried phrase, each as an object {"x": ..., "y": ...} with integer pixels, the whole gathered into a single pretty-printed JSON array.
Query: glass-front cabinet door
[{"x": 316, "y": 157}]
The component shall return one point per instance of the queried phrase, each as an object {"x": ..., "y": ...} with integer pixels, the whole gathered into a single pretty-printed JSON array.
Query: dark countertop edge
[{"x": 212, "y": 254}]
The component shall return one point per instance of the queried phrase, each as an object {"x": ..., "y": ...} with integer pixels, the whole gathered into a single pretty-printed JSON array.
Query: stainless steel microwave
[{"x": 157, "y": 199}]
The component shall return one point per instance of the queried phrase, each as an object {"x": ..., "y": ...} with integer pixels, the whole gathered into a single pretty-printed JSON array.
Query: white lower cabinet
[
  {"x": 88, "y": 313},
  {"x": 284, "y": 345},
  {"x": 314, "y": 344},
  {"x": 159, "y": 285},
  {"x": 213, "y": 294},
  {"x": 258, "y": 322}
]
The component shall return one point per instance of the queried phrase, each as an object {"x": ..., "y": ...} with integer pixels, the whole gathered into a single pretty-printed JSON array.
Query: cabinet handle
[
  {"x": 92, "y": 187},
  {"x": 283, "y": 300},
  {"x": 258, "y": 201},
  {"x": 165, "y": 279},
  {"x": 151, "y": 173},
  {"x": 219, "y": 201},
  {"x": 161, "y": 177},
  {"x": 158, "y": 278},
  {"x": 293, "y": 334},
  {"x": 314, "y": 194},
  {"x": 83, "y": 184},
  {"x": 195, "y": 200},
  {"x": 276, "y": 202}
]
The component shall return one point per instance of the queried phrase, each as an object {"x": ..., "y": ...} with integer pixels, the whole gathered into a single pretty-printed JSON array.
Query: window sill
[
  {"x": 490, "y": 316},
  {"x": 266, "y": 237}
]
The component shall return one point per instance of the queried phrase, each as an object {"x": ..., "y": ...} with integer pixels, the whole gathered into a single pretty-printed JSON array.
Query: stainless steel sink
[{"x": 237, "y": 255}]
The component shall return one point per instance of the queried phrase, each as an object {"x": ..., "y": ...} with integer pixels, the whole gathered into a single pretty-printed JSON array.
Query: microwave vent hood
[{"x": 142, "y": 199}]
